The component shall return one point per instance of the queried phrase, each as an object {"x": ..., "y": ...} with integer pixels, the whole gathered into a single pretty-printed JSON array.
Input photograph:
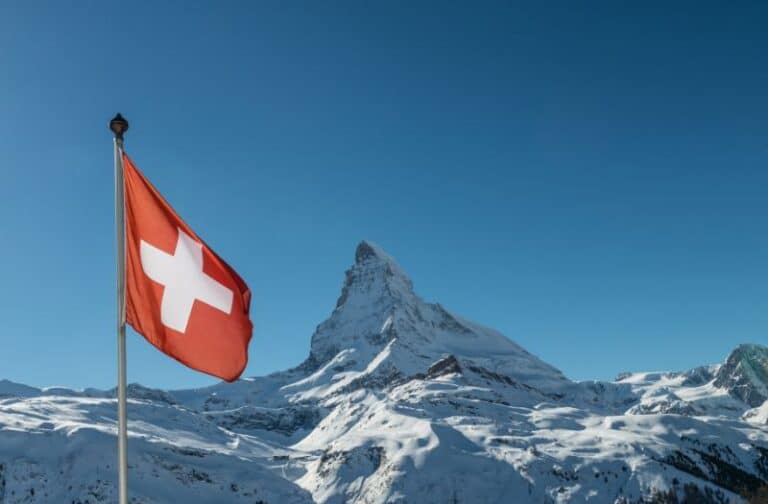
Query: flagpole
[{"x": 119, "y": 125}]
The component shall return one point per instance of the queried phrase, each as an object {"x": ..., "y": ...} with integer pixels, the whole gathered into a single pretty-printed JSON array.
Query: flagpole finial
[{"x": 118, "y": 125}]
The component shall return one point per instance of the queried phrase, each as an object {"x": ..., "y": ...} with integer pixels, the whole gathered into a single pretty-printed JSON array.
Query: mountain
[
  {"x": 402, "y": 401},
  {"x": 745, "y": 374}
]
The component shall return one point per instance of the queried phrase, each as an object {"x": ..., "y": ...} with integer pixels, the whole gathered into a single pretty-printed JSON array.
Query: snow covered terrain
[{"x": 402, "y": 401}]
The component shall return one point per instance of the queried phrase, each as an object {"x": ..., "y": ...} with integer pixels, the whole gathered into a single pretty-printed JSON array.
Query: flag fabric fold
[{"x": 181, "y": 296}]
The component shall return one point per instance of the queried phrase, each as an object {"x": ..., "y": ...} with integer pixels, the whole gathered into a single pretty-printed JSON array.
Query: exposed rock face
[
  {"x": 745, "y": 374},
  {"x": 700, "y": 375},
  {"x": 447, "y": 365},
  {"x": 667, "y": 404},
  {"x": 281, "y": 420}
]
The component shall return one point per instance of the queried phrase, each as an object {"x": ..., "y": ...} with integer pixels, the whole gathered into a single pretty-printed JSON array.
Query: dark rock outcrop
[
  {"x": 745, "y": 374},
  {"x": 444, "y": 366}
]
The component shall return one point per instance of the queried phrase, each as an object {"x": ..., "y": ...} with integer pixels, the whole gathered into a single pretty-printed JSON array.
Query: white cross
[{"x": 184, "y": 280}]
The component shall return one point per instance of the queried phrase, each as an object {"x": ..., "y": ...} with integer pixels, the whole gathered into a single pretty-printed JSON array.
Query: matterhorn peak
[
  {"x": 375, "y": 275},
  {"x": 382, "y": 322},
  {"x": 375, "y": 287},
  {"x": 367, "y": 250},
  {"x": 368, "y": 253}
]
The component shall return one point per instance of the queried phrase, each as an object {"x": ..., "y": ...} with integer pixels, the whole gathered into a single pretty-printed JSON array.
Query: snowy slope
[{"x": 401, "y": 400}]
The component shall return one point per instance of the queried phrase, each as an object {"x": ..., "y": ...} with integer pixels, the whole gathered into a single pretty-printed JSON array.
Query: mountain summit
[
  {"x": 375, "y": 273},
  {"x": 403, "y": 401},
  {"x": 385, "y": 327}
]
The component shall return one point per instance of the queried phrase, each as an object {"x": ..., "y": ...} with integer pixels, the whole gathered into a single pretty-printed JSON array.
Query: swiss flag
[{"x": 181, "y": 296}]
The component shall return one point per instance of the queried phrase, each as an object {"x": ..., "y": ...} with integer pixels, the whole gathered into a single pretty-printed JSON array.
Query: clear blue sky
[{"x": 589, "y": 179}]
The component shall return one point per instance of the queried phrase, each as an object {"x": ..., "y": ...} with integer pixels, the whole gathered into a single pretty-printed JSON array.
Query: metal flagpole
[{"x": 119, "y": 125}]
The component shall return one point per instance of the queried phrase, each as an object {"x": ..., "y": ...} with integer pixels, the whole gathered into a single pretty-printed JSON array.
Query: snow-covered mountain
[{"x": 402, "y": 401}]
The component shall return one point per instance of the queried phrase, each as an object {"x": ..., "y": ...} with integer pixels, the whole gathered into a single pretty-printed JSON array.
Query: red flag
[{"x": 181, "y": 296}]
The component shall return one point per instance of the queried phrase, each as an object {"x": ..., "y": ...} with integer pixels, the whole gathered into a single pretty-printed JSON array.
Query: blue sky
[{"x": 589, "y": 179}]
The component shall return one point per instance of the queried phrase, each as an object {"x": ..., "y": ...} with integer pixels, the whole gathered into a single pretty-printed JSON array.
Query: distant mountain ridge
[{"x": 403, "y": 401}]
